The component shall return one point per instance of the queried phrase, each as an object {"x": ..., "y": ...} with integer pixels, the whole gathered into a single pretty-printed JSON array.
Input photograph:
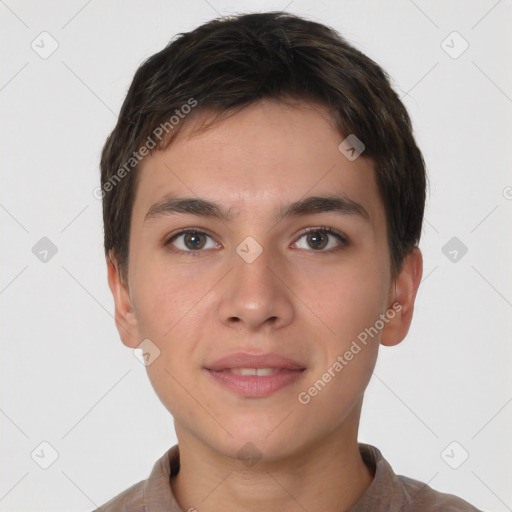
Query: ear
[
  {"x": 126, "y": 321},
  {"x": 401, "y": 299}
]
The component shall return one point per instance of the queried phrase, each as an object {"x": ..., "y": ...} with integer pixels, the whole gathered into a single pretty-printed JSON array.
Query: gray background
[{"x": 66, "y": 378}]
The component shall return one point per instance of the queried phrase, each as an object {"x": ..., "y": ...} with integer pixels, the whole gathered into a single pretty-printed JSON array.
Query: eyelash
[{"x": 320, "y": 229}]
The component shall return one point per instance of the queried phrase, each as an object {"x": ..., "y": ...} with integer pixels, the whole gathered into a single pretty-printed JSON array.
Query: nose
[{"x": 255, "y": 295}]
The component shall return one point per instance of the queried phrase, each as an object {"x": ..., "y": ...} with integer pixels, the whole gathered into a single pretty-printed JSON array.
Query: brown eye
[
  {"x": 319, "y": 239},
  {"x": 194, "y": 241},
  {"x": 191, "y": 241}
]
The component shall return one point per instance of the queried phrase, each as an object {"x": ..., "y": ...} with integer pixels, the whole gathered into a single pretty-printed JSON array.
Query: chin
[{"x": 266, "y": 439}]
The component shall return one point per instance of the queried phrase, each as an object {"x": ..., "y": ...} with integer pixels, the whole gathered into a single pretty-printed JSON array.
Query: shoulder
[
  {"x": 131, "y": 499},
  {"x": 151, "y": 493},
  {"x": 417, "y": 495},
  {"x": 389, "y": 491}
]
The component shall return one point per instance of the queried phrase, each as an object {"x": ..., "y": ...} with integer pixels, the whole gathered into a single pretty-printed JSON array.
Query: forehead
[{"x": 265, "y": 155}]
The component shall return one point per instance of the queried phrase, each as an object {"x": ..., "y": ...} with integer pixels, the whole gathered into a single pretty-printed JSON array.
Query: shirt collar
[
  {"x": 383, "y": 480},
  {"x": 158, "y": 496},
  {"x": 157, "y": 492}
]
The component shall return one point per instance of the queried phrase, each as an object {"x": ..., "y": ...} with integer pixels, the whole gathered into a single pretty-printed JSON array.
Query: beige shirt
[{"x": 387, "y": 492}]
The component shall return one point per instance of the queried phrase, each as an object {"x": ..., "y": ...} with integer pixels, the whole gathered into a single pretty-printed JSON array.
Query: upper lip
[{"x": 244, "y": 360}]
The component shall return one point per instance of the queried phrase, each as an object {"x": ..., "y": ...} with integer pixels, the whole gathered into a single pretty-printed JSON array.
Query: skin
[{"x": 294, "y": 299}]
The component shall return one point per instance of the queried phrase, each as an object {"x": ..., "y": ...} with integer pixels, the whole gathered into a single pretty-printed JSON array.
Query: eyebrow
[{"x": 311, "y": 205}]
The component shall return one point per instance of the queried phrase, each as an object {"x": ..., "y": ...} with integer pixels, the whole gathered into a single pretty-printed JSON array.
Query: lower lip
[{"x": 256, "y": 387}]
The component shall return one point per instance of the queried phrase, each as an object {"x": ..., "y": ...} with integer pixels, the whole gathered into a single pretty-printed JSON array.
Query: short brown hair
[{"x": 229, "y": 63}]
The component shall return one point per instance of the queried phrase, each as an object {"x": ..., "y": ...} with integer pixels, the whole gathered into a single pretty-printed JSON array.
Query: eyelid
[
  {"x": 201, "y": 231},
  {"x": 326, "y": 229},
  {"x": 339, "y": 235},
  {"x": 342, "y": 238}
]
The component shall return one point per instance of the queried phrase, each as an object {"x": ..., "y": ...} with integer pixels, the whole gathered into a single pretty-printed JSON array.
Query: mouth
[
  {"x": 246, "y": 361},
  {"x": 255, "y": 376},
  {"x": 259, "y": 372},
  {"x": 255, "y": 382}
]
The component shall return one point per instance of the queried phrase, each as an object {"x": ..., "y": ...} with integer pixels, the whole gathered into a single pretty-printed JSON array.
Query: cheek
[
  {"x": 349, "y": 300},
  {"x": 164, "y": 301},
  {"x": 172, "y": 314},
  {"x": 169, "y": 318},
  {"x": 333, "y": 394}
]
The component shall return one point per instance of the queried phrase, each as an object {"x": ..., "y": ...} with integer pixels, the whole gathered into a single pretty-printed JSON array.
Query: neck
[{"x": 328, "y": 475}]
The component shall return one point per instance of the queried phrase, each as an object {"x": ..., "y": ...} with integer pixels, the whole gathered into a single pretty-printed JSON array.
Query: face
[{"x": 275, "y": 277}]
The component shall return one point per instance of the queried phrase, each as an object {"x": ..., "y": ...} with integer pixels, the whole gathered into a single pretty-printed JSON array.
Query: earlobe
[
  {"x": 403, "y": 294},
  {"x": 125, "y": 318}
]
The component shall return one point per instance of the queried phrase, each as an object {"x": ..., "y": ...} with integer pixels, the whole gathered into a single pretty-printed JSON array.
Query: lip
[
  {"x": 253, "y": 386},
  {"x": 244, "y": 360}
]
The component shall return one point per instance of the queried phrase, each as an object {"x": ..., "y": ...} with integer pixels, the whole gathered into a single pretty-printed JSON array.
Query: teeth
[{"x": 260, "y": 372}]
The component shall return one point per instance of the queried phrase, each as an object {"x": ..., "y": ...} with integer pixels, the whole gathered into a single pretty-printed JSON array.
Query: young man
[{"x": 263, "y": 198}]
